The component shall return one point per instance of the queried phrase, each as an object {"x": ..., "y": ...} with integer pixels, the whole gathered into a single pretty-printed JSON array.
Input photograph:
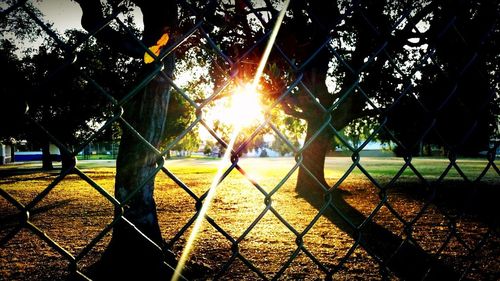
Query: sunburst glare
[
  {"x": 246, "y": 103},
  {"x": 245, "y": 107}
]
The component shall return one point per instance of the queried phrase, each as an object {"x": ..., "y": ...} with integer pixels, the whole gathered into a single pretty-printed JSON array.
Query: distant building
[
  {"x": 22, "y": 156},
  {"x": 6, "y": 153},
  {"x": 263, "y": 152}
]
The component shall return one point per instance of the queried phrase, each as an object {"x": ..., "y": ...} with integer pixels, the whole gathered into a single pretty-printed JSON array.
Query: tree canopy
[{"x": 409, "y": 69}]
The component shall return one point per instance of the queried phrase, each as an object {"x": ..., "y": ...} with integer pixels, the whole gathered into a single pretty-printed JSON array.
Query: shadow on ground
[{"x": 400, "y": 253}]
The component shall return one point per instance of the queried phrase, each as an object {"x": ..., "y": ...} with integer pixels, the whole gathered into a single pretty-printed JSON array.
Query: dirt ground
[{"x": 453, "y": 221}]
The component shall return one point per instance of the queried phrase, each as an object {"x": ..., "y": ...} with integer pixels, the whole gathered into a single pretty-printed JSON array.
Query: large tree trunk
[
  {"x": 130, "y": 256},
  {"x": 311, "y": 177},
  {"x": 404, "y": 258}
]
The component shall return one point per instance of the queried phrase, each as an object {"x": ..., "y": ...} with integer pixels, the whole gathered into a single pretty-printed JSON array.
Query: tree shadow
[
  {"x": 115, "y": 262},
  {"x": 7, "y": 220},
  {"x": 401, "y": 255},
  {"x": 12, "y": 172},
  {"x": 475, "y": 200}
]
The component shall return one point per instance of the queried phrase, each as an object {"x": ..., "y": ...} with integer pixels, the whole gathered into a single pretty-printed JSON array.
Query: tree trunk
[
  {"x": 129, "y": 255},
  {"x": 67, "y": 161},
  {"x": 310, "y": 180},
  {"x": 46, "y": 157},
  {"x": 409, "y": 262},
  {"x": 13, "y": 153}
]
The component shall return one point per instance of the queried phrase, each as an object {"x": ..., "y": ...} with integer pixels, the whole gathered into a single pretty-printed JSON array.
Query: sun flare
[
  {"x": 246, "y": 103},
  {"x": 244, "y": 106}
]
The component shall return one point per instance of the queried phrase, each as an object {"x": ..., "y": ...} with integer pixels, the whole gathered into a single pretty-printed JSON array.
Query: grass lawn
[
  {"x": 96, "y": 157},
  {"x": 74, "y": 213}
]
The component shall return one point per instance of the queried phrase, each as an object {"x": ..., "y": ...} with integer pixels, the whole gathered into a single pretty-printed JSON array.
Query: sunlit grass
[{"x": 73, "y": 213}]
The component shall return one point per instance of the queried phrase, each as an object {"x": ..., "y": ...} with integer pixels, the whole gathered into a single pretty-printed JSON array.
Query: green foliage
[
  {"x": 207, "y": 150},
  {"x": 380, "y": 72},
  {"x": 17, "y": 24},
  {"x": 59, "y": 92},
  {"x": 357, "y": 132},
  {"x": 179, "y": 117},
  {"x": 63, "y": 99},
  {"x": 294, "y": 129},
  {"x": 12, "y": 91},
  {"x": 189, "y": 142}
]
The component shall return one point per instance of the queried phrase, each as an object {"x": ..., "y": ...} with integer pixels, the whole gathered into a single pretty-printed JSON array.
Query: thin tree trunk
[
  {"x": 46, "y": 157},
  {"x": 13, "y": 153},
  {"x": 67, "y": 161}
]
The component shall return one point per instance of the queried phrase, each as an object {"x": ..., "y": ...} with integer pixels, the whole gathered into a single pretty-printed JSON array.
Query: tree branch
[
  {"x": 407, "y": 32},
  {"x": 292, "y": 112},
  {"x": 93, "y": 20},
  {"x": 159, "y": 17}
]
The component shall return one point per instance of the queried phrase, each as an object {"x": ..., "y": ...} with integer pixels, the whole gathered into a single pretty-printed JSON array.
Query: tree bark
[
  {"x": 13, "y": 153},
  {"x": 67, "y": 161},
  {"x": 311, "y": 178},
  {"x": 46, "y": 157},
  {"x": 129, "y": 255}
]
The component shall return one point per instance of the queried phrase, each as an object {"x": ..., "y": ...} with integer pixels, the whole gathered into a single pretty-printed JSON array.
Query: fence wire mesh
[{"x": 419, "y": 75}]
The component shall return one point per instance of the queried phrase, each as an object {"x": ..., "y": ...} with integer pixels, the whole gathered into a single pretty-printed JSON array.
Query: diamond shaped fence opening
[{"x": 373, "y": 154}]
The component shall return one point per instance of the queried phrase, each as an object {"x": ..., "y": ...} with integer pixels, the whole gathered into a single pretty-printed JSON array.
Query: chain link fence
[{"x": 420, "y": 222}]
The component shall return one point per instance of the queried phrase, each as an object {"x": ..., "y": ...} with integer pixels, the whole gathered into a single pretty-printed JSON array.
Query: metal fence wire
[{"x": 417, "y": 96}]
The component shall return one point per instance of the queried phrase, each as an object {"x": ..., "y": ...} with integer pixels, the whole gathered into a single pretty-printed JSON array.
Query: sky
[{"x": 64, "y": 14}]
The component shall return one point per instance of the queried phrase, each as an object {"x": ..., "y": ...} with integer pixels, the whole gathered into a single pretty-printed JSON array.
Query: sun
[
  {"x": 240, "y": 108},
  {"x": 244, "y": 106}
]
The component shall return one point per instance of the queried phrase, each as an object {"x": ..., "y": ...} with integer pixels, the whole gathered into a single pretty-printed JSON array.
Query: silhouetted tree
[
  {"x": 355, "y": 58},
  {"x": 129, "y": 255},
  {"x": 373, "y": 56},
  {"x": 12, "y": 88},
  {"x": 66, "y": 93}
]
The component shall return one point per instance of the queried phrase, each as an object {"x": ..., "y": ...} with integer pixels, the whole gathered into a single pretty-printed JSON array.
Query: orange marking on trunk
[{"x": 156, "y": 48}]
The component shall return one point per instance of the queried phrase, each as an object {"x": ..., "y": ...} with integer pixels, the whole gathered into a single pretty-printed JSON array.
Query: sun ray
[
  {"x": 245, "y": 106},
  {"x": 252, "y": 88}
]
